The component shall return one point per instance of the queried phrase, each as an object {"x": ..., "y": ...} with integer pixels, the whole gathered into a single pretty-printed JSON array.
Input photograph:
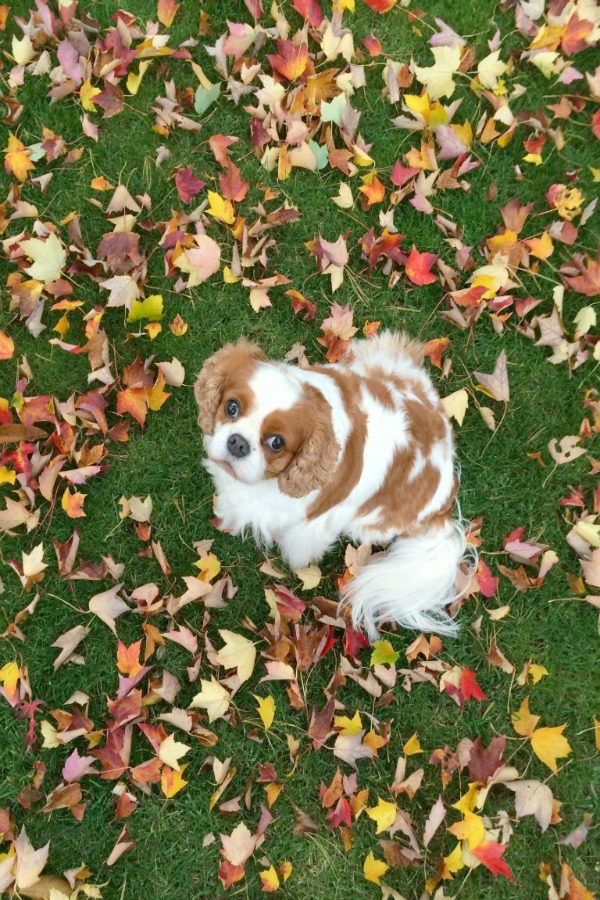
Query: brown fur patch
[
  {"x": 399, "y": 500},
  {"x": 310, "y": 458},
  {"x": 230, "y": 367},
  {"x": 349, "y": 470}
]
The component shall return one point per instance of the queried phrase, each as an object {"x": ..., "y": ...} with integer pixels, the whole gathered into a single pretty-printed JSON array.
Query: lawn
[{"x": 82, "y": 393}]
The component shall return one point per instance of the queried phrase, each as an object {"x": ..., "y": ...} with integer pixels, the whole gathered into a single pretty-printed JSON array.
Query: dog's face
[{"x": 260, "y": 422}]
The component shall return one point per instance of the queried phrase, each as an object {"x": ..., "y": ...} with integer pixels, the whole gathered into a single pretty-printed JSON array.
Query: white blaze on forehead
[{"x": 273, "y": 389}]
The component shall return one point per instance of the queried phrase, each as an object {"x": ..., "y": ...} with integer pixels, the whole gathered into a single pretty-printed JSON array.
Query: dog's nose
[{"x": 238, "y": 446}]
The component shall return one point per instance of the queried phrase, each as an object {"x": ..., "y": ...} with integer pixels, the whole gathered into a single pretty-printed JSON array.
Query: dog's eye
[
  {"x": 275, "y": 443},
  {"x": 232, "y": 409}
]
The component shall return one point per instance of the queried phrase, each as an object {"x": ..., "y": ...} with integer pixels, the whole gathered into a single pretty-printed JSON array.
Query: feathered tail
[{"x": 413, "y": 582}]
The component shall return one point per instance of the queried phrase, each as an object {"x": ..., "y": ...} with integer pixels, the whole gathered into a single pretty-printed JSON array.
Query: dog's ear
[
  {"x": 314, "y": 463},
  {"x": 210, "y": 384}
]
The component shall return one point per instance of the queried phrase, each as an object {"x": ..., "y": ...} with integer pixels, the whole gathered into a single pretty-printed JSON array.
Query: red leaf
[
  {"x": 187, "y": 184},
  {"x": 418, "y": 267},
  {"x": 490, "y": 853},
  {"x": 484, "y": 761},
  {"x": 469, "y": 687},
  {"x": 434, "y": 349},
  {"x": 573, "y": 39},
  {"x": 380, "y": 6},
  {"x": 373, "y": 45},
  {"x": 135, "y": 402},
  {"x": 301, "y": 304},
  {"x": 596, "y": 123},
  {"x": 291, "y": 60},
  {"x": 309, "y": 10},
  {"x": 401, "y": 174},
  {"x": 354, "y": 642},
  {"x": 233, "y": 187},
  {"x": 488, "y": 585}
]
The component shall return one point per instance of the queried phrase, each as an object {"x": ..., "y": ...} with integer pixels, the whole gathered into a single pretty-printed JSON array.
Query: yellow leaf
[
  {"x": 453, "y": 862},
  {"x": 348, "y": 726},
  {"x": 285, "y": 869},
  {"x": 384, "y": 814},
  {"x": 433, "y": 113},
  {"x": 597, "y": 733},
  {"x": 269, "y": 879},
  {"x": 9, "y": 676},
  {"x": 213, "y": 698},
  {"x": 467, "y": 802},
  {"x": 310, "y": 577},
  {"x": 361, "y": 157},
  {"x": 209, "y": 567},
  {"x": 86, "y": 94},
  {"x": 535, "y": 158},
  {"x": 170, "y": 751},
  {"x": 238, "y": 653},
  {"x": 471, "y": 829},
  {"x": 62, "y": 326},
  {"x": 229, "y": 277},
  {"x": 523, "y": 721},
  {"x": 22, "y": 50},
  {"x": 489, "y": 70},
  {"x": 7, "y": 476},
  {"x": 595, "y": 173},
  {"x": 344, "y": 198},
  {"x": 266, "y": 710},
  {"x": 537, "y": 672},
  {"x": 149, "y": 308},
  {"x": 549, "y": 744},
  {"x": 383, "y": 652},
  {"x": 49, "y": 258},
  {"x": 17, "y": 158},
  {"x": 412, "y": 745},
  {"x": 374, "y": 869},
  {"x": 172, "y": 781},
  {"x": 134, "y": 81},
  {"x": 456, "y": 405},
  {"x": 438, "y": 78},
  {"x": 49, "y": 736},
  {"x": 541, "y": 247},
  {"x": 220, "y": 209}
]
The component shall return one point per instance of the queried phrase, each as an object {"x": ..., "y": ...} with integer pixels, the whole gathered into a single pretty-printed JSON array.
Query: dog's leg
[{"x": 306, "y": 543}]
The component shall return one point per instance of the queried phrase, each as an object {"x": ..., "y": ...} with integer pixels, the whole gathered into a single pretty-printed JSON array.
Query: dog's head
[{"x": 260, "y": 421}]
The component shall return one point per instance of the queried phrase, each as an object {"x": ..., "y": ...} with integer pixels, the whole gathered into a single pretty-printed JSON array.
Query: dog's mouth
[{"x": 227, "y": 467}]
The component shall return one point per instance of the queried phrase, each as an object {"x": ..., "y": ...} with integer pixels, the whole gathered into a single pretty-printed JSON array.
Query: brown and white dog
[{"x": 362, "y": 448}]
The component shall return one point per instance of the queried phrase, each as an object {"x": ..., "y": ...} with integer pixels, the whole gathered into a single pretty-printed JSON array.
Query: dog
[{"x": 301, "y": 455}]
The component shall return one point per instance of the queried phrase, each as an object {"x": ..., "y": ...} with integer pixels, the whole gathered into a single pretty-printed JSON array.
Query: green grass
[{"x": 499, "y": 482}]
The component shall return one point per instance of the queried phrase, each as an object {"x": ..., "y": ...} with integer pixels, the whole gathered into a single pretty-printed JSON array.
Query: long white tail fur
[{"x": 411, "y": 583}]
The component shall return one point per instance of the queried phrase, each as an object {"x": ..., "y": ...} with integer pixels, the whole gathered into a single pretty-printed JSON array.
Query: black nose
[{"x": 238, "y": 446}]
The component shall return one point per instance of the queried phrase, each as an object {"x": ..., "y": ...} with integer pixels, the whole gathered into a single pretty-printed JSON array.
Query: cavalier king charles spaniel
[{"x": 362, "y": 448}]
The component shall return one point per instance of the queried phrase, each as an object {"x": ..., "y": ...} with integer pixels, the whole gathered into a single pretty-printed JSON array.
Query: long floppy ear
[
  {"x": 211, "y": 381},
  {"x": 315, "y": 462}
]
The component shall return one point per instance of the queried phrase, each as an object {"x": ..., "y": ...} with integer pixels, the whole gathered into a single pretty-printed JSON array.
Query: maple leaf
[
  {"x": 238, "y": 653},
  {"x": 470, "y": 829},
  {"x": 418, "y": 267},
  {"x": 269, "y": 880},
  {"x": 291, "y": 59},
  {"x": 72, "y": 503},
  {"x": 384, "y": 814},
  {"x": 238, "y": 847},
  {"x": 233, "y": 187},
  {"x": 29, "y": 862},
  {"x": 532, "y": 798},
  {"x": 171, "y": 751},
  {"x": 383, "y": 652},
  {"x": 436, "y": 816},
  {"x": 495, "y": 385},
  {"x": 490, "y": 854},
  {"x": 309, "y": 10},
  {"x": 374, "y": 869},
  {"x": 456, "y": 404},
  {"x": 490, "y": 69},
  {"x": 7, "y": 346},
  {"x": 412, "y": 746},
  {"x": 523, "y": 721},
  {"x": 188, "y": 185},
  {"x": 588, "y": 281},
  {"x": 68, "y": 643},
  {"x": 438, "y": 78},
  {"x": 49, "y": 258},
  {"x": 549, "y": 744},
  {"x": 469, "y": 687},
  {"x": 213, "y": 698},
  {"x": 172, "y": 780},
  {"x": 108, "y": 606},
  {"x": 16, "y": 159}
]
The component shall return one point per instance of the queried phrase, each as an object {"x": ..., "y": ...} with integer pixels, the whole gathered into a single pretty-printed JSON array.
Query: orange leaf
[
  {"x": 523, "y": 721},
  {"x": 167, "y": 10},
  {"x": 418, "y": 267},
  {"x": 7, "y": 346},
  {"x": 291, "y": 60},
  {"x": 374, "y": 192},
  {"x": 128, "y": 658},
  {"x": 17, "y": 158},
  {"x": 135, "y": 402},
  {"x": 73, "y": 504}
]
